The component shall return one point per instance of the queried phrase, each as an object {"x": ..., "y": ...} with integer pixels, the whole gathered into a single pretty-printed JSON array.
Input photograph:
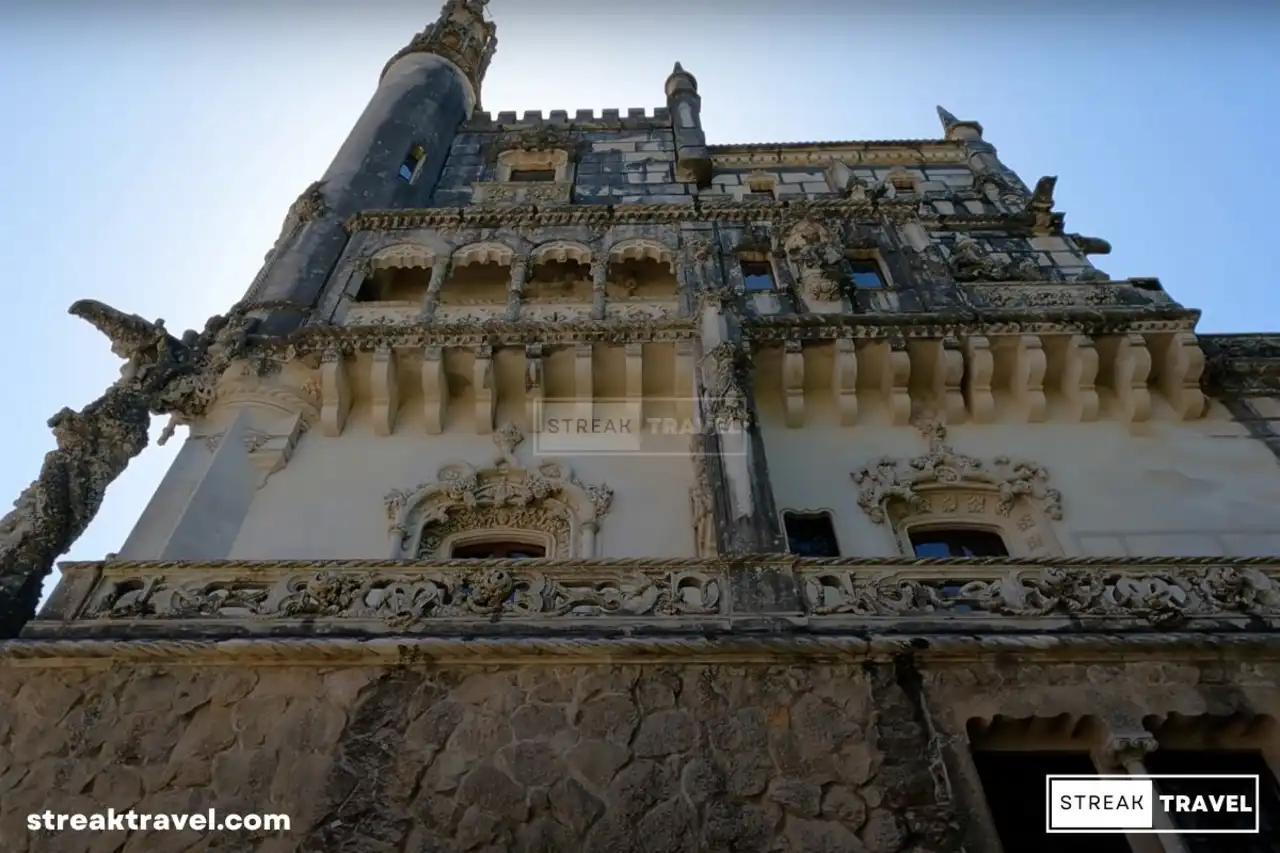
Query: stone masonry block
[
  {"x": 729, "y": 179},
  {"x": 816, "y": 188}
]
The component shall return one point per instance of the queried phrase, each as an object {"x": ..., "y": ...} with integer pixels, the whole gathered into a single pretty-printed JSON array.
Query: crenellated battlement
[{"x": 636, "y": 118}]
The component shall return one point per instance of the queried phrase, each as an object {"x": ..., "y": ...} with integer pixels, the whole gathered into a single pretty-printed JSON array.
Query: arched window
[
  {"x": 498, "y": 550},
  {"x": 956, "y": 542}
]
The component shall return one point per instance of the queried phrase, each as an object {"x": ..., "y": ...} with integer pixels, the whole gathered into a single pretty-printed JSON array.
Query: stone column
[
  {"x": 515, "y": 291},
  {"x": 431, "y": 301},
  {"x": 1123, "y": 754},
  {"x": 599, "y": 278},
  {"x": 747, "y": 518}
]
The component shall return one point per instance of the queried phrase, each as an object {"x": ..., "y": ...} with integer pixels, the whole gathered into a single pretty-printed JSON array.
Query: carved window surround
[
  {"x": 503, "y": 190},
  {"x": 546, "y": 501},
  {"x": 946, "y": 488},
  {"x": 1256, "y": 732}
]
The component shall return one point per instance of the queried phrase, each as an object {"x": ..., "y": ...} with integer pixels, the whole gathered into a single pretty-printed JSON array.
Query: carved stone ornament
[
  {"x": 407, "y": 601},
  {"x": 816, "y": 257},
  {"x": 906, "y": 480},
  {"x": 702, "y": 501},
  {"x": 162, "y": 375},
  {"x": 547, "y": 499},
  {"x": 1162, "y": 598},
  {"x": 727, "y": 400}
]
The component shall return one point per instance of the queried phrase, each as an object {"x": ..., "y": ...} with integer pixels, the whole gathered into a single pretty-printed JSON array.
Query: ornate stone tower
[{"x": 566, "y": 482}]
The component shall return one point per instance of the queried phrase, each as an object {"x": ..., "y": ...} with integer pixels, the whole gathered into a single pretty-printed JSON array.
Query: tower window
[
  {"x": 412, "y": 163},
  {"x": 529, "y": 176},
  {"x": 498, "y": 551},
  {"x": 810, "y": 534},
  {"x": 866, "y": 274},
  {"x": 957, "y": 542},
  {"x": 757, "y": 275}
]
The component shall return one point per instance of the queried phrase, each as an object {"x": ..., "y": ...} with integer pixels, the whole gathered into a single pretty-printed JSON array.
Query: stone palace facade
[{"x": 932, "y": 507}]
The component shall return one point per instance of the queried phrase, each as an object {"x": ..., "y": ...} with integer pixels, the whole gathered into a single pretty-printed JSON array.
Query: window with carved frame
[
  {"x": 522, "y": 166},
  {"x": 867, "y": 270}
]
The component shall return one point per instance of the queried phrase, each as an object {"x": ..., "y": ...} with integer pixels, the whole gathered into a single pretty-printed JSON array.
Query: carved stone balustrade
[{"x": 633, "y": 597}]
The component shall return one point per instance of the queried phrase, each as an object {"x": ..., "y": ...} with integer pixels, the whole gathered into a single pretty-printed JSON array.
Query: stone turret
[
  {"x": 392, "y": 157},
  {"x": 692, "y": 157},
  {"x": 982, "y": 155}
]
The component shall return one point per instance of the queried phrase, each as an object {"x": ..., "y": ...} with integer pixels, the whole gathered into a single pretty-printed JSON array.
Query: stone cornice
[
  {"x": 312, "y": 340},
  {"x": 697, "y": 210},
  {"x": 407, "y": 651},
  {"x": 868, "y": 564},
  {"x": 350, "y": 339},
  {"x": 1242, "y": 363},
  {"x": 992, "y": 322},
  {"x": 862, "y": 152}
]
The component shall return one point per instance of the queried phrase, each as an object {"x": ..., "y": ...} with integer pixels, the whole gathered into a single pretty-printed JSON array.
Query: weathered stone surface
[{"x": 651, "y": 759}]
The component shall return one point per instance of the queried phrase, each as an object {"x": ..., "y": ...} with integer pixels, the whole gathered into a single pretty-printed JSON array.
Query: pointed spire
[{"x": 951, "y": 125}]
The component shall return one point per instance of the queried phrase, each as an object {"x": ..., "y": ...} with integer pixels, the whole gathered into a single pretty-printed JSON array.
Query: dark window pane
[
  {"x": 866, "y": 274},
  {"x": 406, "y": 171},
  {"x": 1247, "y": 762},
  {"x": 1014, "y": 786},
  {"x": 533, "y": 175},
  {"x": 957, "y": 543},
  {"x": 498, "y": 551},
  {"x": 811, "y": 535},
  {"x": 757, "y": 275}
]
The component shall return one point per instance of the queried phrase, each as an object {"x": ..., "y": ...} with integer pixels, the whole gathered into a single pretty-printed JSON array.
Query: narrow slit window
[
  {"x": 960, "y": 542},
  {"x": 757, "y": 275},
  {"x": 811, "y": 534},
  {"x": 532, "y": 176},
  {"x": 412, "y": 162},
  {"x": 866, "y": 274}
]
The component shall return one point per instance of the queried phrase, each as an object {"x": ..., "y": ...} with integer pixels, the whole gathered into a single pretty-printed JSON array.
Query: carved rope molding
[{"x": 619, "y": 651}]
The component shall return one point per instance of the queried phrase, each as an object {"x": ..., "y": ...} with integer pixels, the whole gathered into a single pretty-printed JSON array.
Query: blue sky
[{"x": 151, "y": 152}]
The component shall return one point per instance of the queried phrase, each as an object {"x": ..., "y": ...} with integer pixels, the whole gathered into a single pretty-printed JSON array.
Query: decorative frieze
[{"x": 970, "y": 597}]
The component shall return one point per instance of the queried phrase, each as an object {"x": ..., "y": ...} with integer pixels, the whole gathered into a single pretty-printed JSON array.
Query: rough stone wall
[{"x": 372, "y": 760}]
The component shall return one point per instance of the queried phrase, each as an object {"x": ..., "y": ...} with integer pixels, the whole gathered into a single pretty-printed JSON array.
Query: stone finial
[
  {"x": 461, "y": 35},
  {"x": 681, "y": 81},
  {"x": 953, "y": 127}
]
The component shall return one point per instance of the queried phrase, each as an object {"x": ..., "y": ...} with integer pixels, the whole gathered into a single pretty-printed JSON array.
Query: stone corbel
[
  {"x": 384, "y": 390},
  {"x": 435, "y": 389},
  {"x": 1179, "y": 363},
  {"x": 845, "y": 381},
  {"x": 793, "y": 383},
  {"x": 1020, "y": 361},
  {"x": 584, "y": 380},
  {"x": 633, "y": 354},
  {"x": 534, "y": 384},
  {"x": 977, "y": 381},
  {"x": 335, "y": 392},
  {"x": 685, "y": 383},
  {"x": 486, "y": 393},
  {"x": 937, "y": 368},
  {"x": 892, "y": 368},
  {"x": 1074, "y": 360},
  {"x": 1127, "y": 365}
]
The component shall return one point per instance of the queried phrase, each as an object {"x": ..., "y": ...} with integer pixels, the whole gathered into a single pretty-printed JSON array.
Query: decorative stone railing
[{"x": 630, "y": 597}]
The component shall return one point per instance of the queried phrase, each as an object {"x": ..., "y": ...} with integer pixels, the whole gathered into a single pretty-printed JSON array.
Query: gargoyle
[
  {"x": 1042, "y": 196},
  {"x": 140, "y": 342}
]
